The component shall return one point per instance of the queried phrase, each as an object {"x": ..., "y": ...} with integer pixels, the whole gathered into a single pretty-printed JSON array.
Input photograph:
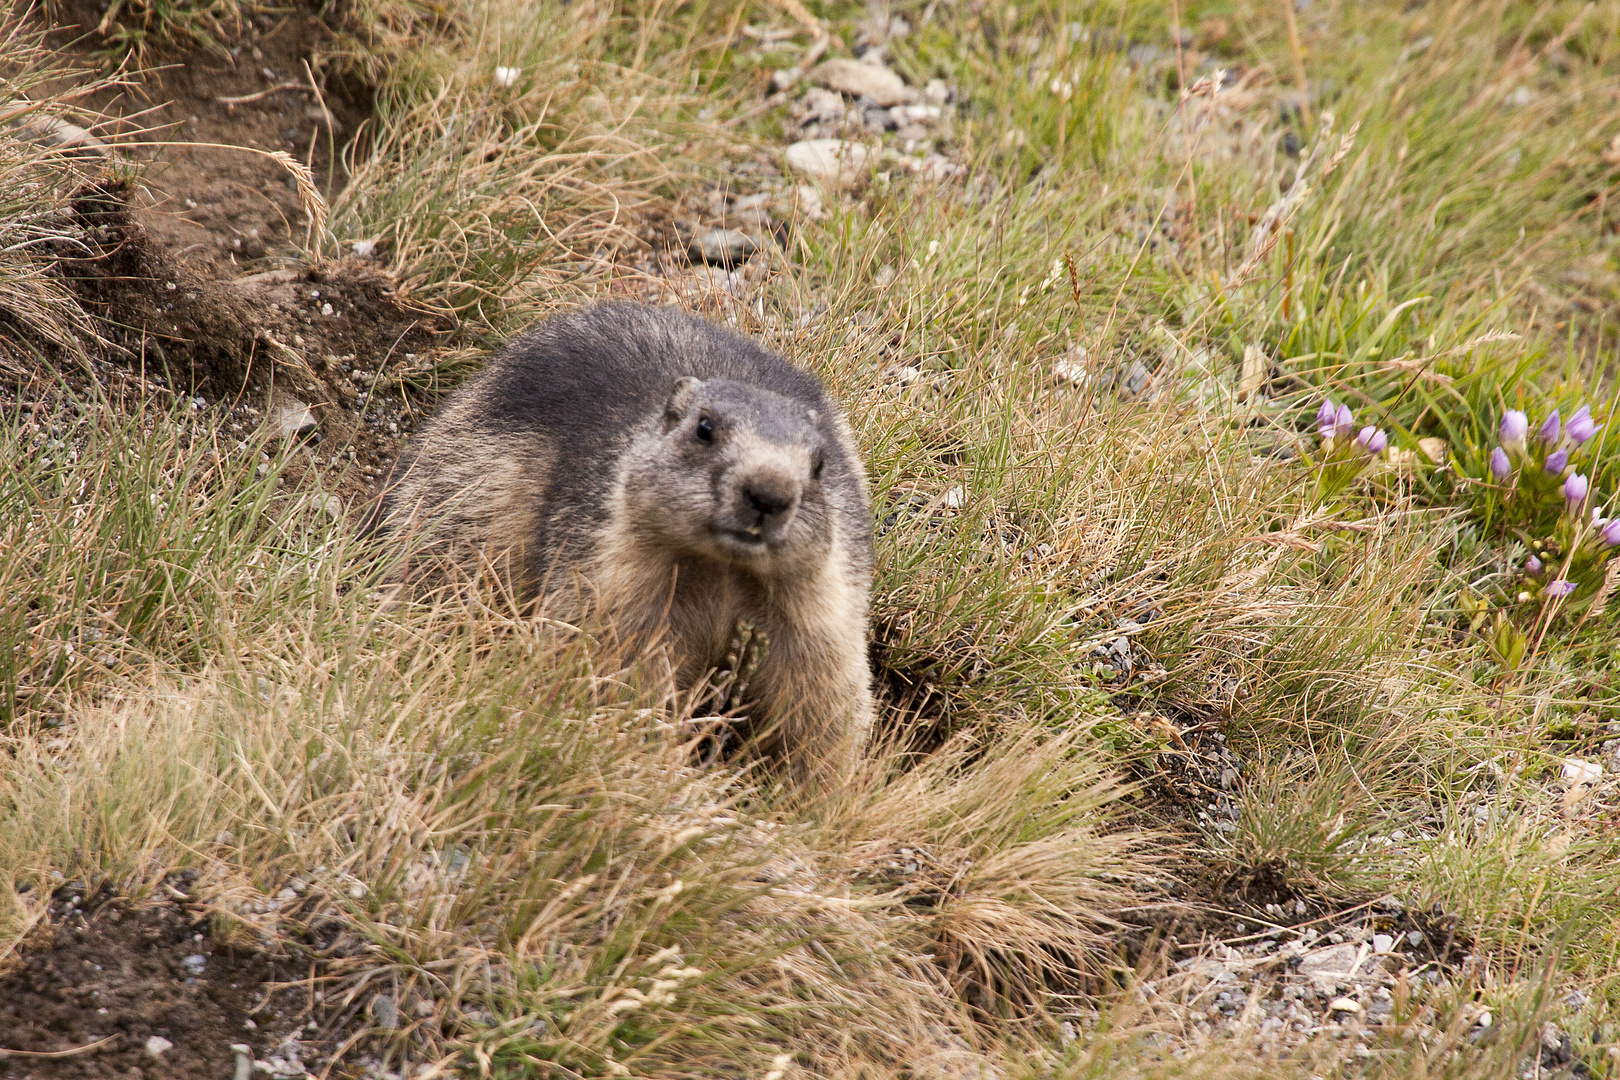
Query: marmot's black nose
[{"x": 768, "y": 502}]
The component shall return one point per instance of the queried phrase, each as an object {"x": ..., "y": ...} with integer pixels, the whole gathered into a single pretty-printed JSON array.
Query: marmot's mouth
[{"x": 750, "y": 540}]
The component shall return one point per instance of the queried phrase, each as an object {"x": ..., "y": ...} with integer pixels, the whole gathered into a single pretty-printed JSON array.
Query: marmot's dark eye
[
  {"x": 705, "y": 430},
  {"x": 815, "y": 466}
]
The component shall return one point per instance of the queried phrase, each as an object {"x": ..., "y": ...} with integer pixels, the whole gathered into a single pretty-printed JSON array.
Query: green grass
[{"x": 519, "y": 836}]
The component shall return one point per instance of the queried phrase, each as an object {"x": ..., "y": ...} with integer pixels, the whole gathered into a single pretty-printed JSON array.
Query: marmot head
[{"x": 734, "y": 473}]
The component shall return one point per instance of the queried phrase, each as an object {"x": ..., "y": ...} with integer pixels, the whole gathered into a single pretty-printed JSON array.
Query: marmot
[{"x": 682, "y": 484}]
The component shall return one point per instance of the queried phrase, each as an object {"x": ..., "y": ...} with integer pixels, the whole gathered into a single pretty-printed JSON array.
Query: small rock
[
  {"x": 1330, "y": 962},
  {"x": 332, "y": 507},
  {"x": 157, "y": 1046},
  {"x": 1577, "y": 771},
  {"x": 1434, "y": 449},
  {"x": 937, "y": 92},
  {"x": 364, "y": 249},
  {"x": 1382, "y": 943},
  {"x": 1344, "y": 1005},
  {"x": 1414, "y": 938},
  {"x": 59, "y": 134},
  {"x": 1484, "y": 1020},
  {"x": 723, "y": 246},
  {"x": 507, "y": 76},
  {"x": 807, "y": 200},
  {"x": 385, "y": 1011},
  {"x": 1213, "y": 970},
  {"x": 195, "y": 963},
  {"x": 952, "y": 499},
  {"x": 937, "y": 168},
  {"x": 862, "y": 80},
  {"x": 915, "y": 114},
  {"x": 786, "y": 78},
  {"x": 823, "y": 107},
  {"x": 878, "y": 120},
  {"x": 834, "y": 162},
  {"x": 294, "y": 419}
]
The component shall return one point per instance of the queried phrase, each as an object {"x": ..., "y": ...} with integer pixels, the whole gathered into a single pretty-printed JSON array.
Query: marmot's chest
[{"x": 705, "y": 605}]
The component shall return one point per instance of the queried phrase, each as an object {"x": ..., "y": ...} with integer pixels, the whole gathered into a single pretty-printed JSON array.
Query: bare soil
[
  {"x": 195, "y": 274},
  {"x": 91, "y": 987},
  {"x": 226, "y": 210}
]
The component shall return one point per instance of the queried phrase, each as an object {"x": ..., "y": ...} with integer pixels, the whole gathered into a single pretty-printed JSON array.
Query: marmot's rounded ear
[{"x": 680, "y": 399}]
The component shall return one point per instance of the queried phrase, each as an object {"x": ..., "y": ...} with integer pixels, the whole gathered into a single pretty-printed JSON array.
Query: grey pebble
[{"x": 722, "y": 246}]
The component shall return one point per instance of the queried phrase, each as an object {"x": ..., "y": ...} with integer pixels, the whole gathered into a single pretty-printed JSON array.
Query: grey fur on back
[{"x": 543, "y": 465}]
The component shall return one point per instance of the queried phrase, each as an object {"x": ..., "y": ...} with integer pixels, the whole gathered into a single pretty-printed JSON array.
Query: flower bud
[
  {"x": 1500, "y": 465},
  {"x": 1559, "y": 588},
  {"x": 1557, "y": 461},
  {"x": 1377, "y": 443},
  {"x": 1515, "y": 426},
  {"x": 1609, "y": 535},
  {"x": 1548, "y": 431},
  {"x": 1533, "y": 565},
  {"x": 1581, "y": 426},
  {"x": 1345, "y": 420},
  {"x": 1327, "y": 422},
  {"x": 1575, "y": 488}
]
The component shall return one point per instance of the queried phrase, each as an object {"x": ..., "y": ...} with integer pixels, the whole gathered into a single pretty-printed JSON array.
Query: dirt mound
[
  {"x": 224, "y": 209},
  {"x": 225, "y": 338},
  {"x": 100, "y": 991}
]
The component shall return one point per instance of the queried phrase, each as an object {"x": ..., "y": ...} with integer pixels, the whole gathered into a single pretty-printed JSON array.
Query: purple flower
[
  {"x": 1533, "y": 565},
  {"x": 1581, "y": 426},
  {"x": 1345, "y": 420},
  {"x": 1575, "y": 488},
  {"x": 1561, "y": 587},
  {"x": 1557, "y": 461},
  {"x": 1327, "y": 422},
  {"x": 1372, "y": 440},
  {"x": 1515, "y": 426},
  {"x": 1548, "y": 432},
  {"x": 1609, "y": 535},
  {"x": 1500, "y": 465}
]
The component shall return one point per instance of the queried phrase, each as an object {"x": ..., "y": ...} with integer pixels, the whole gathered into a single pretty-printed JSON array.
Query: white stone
[
  {"x": 859, "y": 79},
  {"x": 1577, "y": 771},
  {"x": 507, "y": 76},
  {"x": 914, "y": 114},
  {"x": 58, "y": 133},
  {"x": 808, "y": 201},
  {"x": 1383, "y": 943},
  {"x": 834, "y": 162},
  {"x": 1072, "y": 372},
  {"x": 157, "y": 1045},
  {"x": 294, "y": 419},
  {"x": 1344, "y": 1004},
  {"x": 952, "y": 499},
  {"x": 364, "y": 249}
]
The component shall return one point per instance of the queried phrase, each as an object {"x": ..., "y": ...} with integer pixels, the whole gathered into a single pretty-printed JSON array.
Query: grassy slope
[{"x": 517, "y": 833}]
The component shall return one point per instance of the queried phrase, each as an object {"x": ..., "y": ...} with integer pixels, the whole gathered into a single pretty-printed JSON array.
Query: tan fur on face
[{"x": 813, "y": 690}]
